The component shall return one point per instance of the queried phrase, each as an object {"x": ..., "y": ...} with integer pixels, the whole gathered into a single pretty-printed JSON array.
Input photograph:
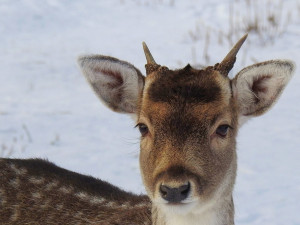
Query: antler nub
[
  {"x": 226, "y": 65},
  {"x": 149, "y": 57}
]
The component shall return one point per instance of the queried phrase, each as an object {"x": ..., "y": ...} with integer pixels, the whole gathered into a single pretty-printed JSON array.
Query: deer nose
[{"x": 174, "y": 195}]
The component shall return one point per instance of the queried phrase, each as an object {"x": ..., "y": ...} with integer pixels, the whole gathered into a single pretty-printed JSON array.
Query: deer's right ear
[{"x": 117, "y": 83}]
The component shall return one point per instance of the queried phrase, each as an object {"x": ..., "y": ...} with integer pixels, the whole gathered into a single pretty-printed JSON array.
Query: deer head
[{"x": 188, "y": 120}]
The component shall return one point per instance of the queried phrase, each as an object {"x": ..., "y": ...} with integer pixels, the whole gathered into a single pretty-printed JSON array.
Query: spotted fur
[{"x": 36, "y": 191}]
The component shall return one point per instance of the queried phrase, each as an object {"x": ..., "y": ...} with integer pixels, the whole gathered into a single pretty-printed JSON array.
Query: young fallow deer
[{"x": 188, "y": 120}]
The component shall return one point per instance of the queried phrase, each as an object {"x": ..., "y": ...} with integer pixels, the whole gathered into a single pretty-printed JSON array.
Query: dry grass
[
  {"x": 152, "y": 2},
  {"x": 267, "y": 20},
  {"x": 17, "y": 143},
  {"x": 264, "y": 20}
]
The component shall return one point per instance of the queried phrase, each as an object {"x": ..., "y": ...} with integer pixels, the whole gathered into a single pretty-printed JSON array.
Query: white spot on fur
[
  {"x": 78, "y": 215},
  {"x": 96, "y": 200},
  {"x": 37, "y": 180},
  {"x": 45, "y": 204},
  {"x": 22, "y": 171},
  {"x": 36, "y": 195},
  {"x": 15, "y": 183},
  {"x": 65, "y": 190},
  {"x": 112, "y": 204},
  {"x": 91, "y": 199},
  {"x": 59, "y": 206},
  {"x": 15, "y": 215},
  {"x": 82, "y": 195},
  {"x": 142, "y": 205},
  {"x": 18, "y": 171},
  {"x": 2, "y": 197},
  {"x": 51, "y": 185}
]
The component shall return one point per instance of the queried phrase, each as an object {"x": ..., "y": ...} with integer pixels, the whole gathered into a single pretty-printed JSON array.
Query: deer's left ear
[{"x": 258, "y": 87}]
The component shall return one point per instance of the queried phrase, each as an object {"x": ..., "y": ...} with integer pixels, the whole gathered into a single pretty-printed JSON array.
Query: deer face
[{"x": 188, "y": 121}]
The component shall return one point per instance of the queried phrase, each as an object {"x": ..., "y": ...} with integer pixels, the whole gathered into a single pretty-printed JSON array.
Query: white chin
[{"x": 181, "y": 209}]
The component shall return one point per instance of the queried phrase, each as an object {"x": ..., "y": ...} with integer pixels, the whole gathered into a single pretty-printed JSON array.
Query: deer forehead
[{"x": 186, "y": 95}]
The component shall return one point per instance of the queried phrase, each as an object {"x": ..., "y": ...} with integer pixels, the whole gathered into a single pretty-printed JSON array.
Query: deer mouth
[{"x": 183, "y": 207}]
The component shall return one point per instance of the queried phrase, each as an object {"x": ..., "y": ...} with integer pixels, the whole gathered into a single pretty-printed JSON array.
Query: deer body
[
  {"x": 35, "y": 191},
  {"x": 188, "y": 120}
]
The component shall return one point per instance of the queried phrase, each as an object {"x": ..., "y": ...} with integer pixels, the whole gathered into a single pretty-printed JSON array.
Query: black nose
[{"x": 174, "y": 195}]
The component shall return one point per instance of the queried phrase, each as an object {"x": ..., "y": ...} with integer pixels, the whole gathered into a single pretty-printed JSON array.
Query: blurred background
[{"x": 48, "y": 110}]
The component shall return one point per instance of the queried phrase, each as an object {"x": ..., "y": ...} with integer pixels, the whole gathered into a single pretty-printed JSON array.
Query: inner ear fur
[
  {"x": 117, "y": 83},
  {"x": 259, "y": 86}
]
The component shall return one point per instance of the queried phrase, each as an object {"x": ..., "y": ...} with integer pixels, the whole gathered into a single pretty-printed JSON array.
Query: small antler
[
  {"x": 151, "y": 65},
  {"x": 149, "y": 57},
  {"x": 226, "y": 65}
]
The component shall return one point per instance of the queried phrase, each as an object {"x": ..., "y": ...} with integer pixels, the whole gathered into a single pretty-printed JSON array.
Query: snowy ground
[{"x": 47, "y": 109}]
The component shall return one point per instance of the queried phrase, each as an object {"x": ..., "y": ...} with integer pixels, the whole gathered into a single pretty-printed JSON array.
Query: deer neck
[{"x": 220, "y": 212}]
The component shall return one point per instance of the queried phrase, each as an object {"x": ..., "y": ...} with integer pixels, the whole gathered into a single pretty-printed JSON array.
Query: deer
[{"x": 188, "y": 119}]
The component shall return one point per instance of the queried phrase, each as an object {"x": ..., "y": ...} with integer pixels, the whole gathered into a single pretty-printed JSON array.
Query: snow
[{"x": 48, "y": 110}]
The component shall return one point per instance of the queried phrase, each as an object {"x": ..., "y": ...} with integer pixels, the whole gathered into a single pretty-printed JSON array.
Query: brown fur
[
  {"x": 35, "y": 191},
  {"x": 180, "y": 135}
]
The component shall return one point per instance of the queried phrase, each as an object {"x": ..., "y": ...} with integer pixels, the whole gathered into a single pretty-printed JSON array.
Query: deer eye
[
  {"x": 143, "y": 129},
  {"x": 222, "y": 130}
]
